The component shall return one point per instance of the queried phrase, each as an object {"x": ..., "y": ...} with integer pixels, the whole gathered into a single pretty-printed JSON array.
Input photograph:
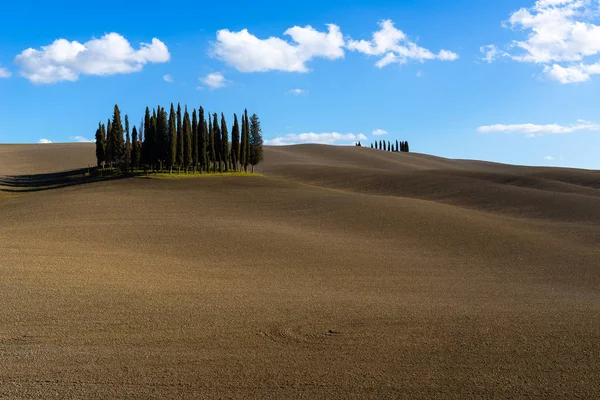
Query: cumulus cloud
[
  {"x": 45, "y": 141},
  {"x": 214, "y": 80},
  {"x": 394, "y": 46},
  {"x": 379, "y": 132},
  {"x": 247, "y": 53},
  {"x": 80, "y": 139},
  {"x": 549, "y": 158},
  {"x": 491, "y": 53},
  {"x": 4, "y": 73},
  {"x": 320, "y": 138},
  {"x": 66, "y": 61},
  {"x": 297, "y": 92},
  {"x": 533, "y": 130},
  {"x": 561, "y": 35},
  {"x": 168, "y": 78}
]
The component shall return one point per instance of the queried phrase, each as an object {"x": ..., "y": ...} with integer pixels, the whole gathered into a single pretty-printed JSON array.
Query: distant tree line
[
  {"x": 381, "y": 145},
  {"x": 167, "y": 141}
]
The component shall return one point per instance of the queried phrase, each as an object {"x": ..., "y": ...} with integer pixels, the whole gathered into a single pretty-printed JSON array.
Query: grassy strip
[{"x": 166, "y": 175}]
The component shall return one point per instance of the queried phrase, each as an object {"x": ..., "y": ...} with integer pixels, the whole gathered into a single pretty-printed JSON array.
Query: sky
[{"x": 513, "y": 81}]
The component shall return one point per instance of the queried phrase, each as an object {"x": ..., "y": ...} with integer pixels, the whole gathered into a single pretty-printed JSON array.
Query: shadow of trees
[{"x": 56, "y": 180}]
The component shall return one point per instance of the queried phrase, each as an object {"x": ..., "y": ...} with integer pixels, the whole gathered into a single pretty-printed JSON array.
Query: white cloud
[
  {"x": 379, "y": 132},
  {"x": 248, "y": 53},
  {"x": 321, "y": 138},
  {"x": 297, "y": 92},
  {"x": 549, "y": 158},
  {"x": 395, "y": 47},
  {"x": 561, "y": 35},
  {"x": 533, "y": 130},
  {"x": 45, "y": 141},
  {"x": 168, "y": 78},
  {"x": 66, "y": 61},
  {"x": 419, "y": 74},
  {"x": 214, "y": 80},
  {"x": 4, "y": 73},
  {"x": 491, "y": 53},
  {"x": 80, "y": 139}
]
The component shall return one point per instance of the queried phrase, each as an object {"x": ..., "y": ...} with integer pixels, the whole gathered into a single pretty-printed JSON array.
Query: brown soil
[{"x": 341, "y": 273}]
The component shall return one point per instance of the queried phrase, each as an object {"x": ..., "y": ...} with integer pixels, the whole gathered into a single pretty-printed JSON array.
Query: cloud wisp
[
  {"x": 534, "y": 130},
  {"x": 319, "y": 138}
]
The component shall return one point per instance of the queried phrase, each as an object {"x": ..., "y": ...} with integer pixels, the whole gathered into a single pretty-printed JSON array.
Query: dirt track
[{"x": 342, "y": 273}]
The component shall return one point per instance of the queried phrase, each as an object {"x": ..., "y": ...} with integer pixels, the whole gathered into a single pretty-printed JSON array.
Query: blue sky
[{"x": 514, "y": 81}]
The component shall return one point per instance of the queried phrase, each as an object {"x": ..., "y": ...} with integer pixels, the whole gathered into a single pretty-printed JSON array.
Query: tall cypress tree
[
  {"x": 407, "y": 149},
  {"x": 194, "y": 140},
  {"x": 135, "y": 150},
  {"x": 179, "y": 138},
  {"x": 235, "y": 143},
  {"x": 211, "y": 145},
  {"x": 224, "y": 142},
  {"x": 247, "y": 141},
  {"x": 127, "y": 156},
  {"x": 100, "y": 145},
  {"x": 187, "y": 140},
  {"x": 117, "y": 132},
  {"x": 146, "y": 142},
  {"x": 243, "y": 157},
  {"x": 108, "y": 155},
  {"x": 154, "y": 142},
  {"x": 256, "y": 141},
  {"x": 202, "y": 139},
  {"x": 172, "y": 159},
  {"x": 218, "y": 146}
]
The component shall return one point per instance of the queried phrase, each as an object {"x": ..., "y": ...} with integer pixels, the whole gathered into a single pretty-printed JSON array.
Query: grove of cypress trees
[
  {"x": 179, "y": 138},
  {"x": 224, "y": 142},
  {"x": 187, "y": 140},
  {"x": 172, "y": 156},
  {"x": 194, "y": 140},
  {"x": 235, "y": 143},
  {"x": 256, "y": 141}
]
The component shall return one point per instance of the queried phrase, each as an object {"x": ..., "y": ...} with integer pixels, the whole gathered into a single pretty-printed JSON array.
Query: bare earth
[{"x": 341, "y": 273}]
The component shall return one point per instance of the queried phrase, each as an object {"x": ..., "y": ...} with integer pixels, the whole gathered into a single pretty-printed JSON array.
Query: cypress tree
[
  {"x": 179, "y": 138},
  {"x": 194, "y": 140},
  {"x": 108, "y": 155},
  {"x": 247, "y": 141},
  {"x": 135, "y": 150},
  {"x": 202, "y": 138},
  {"x": 235, "y": 143},
  {"x": 162, "y": 127},
  {"x": 211, "y": 145},
  {"x": 153, "y": 141},
  {"x": 389, "y": 146},
  {"x": 187, "y": 140},
  {"x": 243, "y": 157},
  {"x": 127, "y": 149},
  {"x": 99, "y": 145},
  {"x": 224, "y": 142},
  {"x": 380, "y": 145},
  {"x": 396, "y": 144},
  {"x": 117, "y": 132},
  {"x": 172, "y": 159},
  {"x": 217, "y": 136},
  {"x": 256, "y": 141},
  {"x": 407, "y": 149},
  {"x": 146, "y": 142}
]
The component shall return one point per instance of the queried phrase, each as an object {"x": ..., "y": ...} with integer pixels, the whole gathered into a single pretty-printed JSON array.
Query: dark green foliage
[
  {"x": 247, "y": 141},
  {"x": 256, "y": 142},
  {"x": 162, "y": 137},
  {"x": 118, "y": 142},
  {"x": 146, "y": 142},
  {"x": 211, "y": 145},
  {"x": 135, "y": 150},
  {"x": 194, "y": 140},
  {"x": 187, "y": 140},
  {"x": 172, "y": 156},
  {"x": 235, "y": 143},
  {"x": 407, "y": 149},
  {"x": 108, "y": 155},
  {"x": 202, "y": 140},
  {"x": 100, "y": 145},
  {"x": 217, "y": 136},
  {"x": 243, "y": 157},
  {"x": 179, "y": 137},
  {"x": 371, "y": 145},
  {"x": 224, "y": 143}
]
